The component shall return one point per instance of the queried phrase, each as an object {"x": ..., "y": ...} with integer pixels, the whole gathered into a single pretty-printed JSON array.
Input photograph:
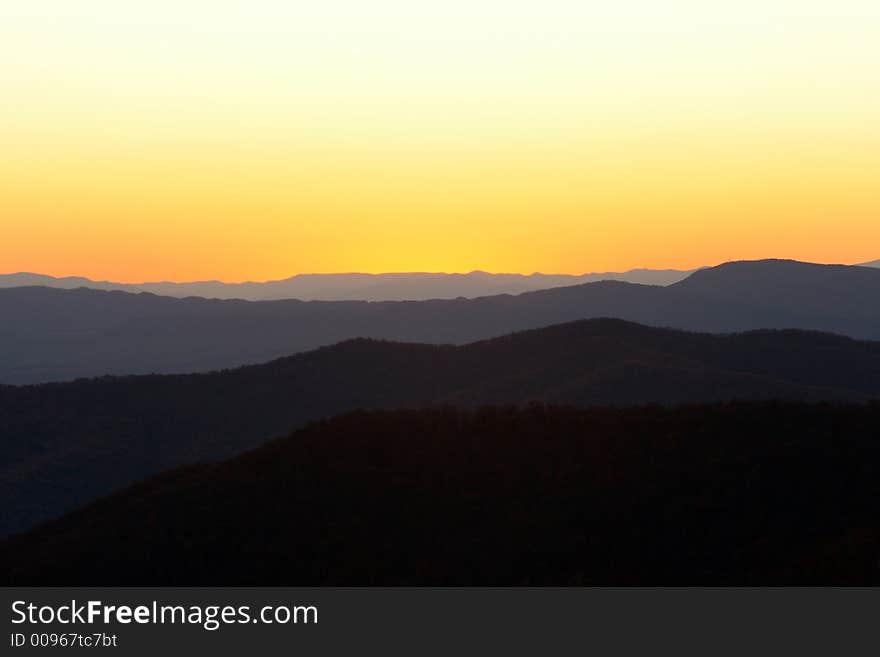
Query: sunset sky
[{"x": 251, "y": 140}]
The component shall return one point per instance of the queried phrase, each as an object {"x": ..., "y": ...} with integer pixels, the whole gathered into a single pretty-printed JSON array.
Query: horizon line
[{"x": 411, "y": 273}]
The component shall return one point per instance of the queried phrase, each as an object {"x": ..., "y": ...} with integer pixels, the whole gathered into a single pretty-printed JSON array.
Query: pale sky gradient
[{"x": 187, "y": 140}]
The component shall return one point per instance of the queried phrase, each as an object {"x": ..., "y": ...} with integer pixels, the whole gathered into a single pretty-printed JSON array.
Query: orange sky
[{"x": 253, "y": 141}]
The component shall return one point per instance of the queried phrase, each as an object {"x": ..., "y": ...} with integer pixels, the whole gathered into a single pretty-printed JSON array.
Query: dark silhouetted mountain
[
  {"x": 50, "y": 334},
  {"x": 875, "y": 263},
  {"x": 63, "y": 444},
  {"x": 360, "y": 287},
  {"x": 746, "y": 493}
]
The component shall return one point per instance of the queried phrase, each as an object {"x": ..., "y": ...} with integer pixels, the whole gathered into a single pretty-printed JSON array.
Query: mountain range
[
  {"x": 733, "y": 494},
  {"x": 412, "y": 286},
  {"x": 63, "y": 444},
  {"x": 356, "y": 287},
  {"x": 52, "y": 335}
]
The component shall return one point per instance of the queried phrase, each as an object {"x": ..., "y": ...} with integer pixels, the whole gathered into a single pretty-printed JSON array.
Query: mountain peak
[{"x": 774, "y": 272}]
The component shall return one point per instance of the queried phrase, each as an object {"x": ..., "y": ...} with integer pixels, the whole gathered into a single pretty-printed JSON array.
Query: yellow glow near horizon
[{"x": 255, "y": 140}]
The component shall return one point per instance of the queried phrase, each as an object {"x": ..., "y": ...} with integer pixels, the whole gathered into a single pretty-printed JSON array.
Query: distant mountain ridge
[
  {"x": 65, "y": 444},
  {"x": 398, "y": 286},
  {"x": 49, "y": 334},
  {"x": 414, "y": 286}
]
